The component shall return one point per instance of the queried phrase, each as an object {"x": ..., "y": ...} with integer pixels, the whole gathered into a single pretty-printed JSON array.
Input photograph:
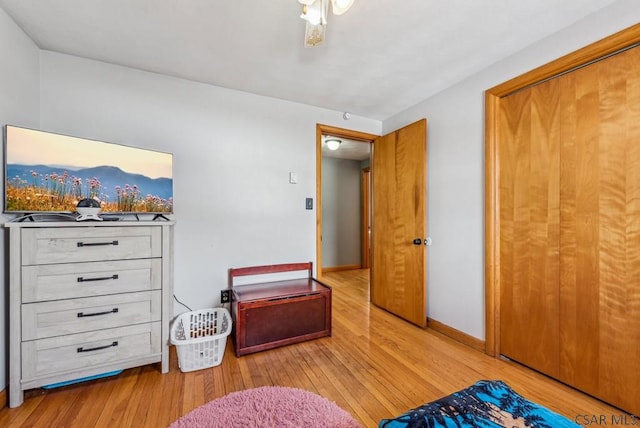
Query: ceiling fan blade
[{"x": 341, "y": 6}]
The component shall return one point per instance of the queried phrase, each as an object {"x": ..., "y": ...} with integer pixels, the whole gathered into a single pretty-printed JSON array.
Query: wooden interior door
[
  {"x": 569, "y": 201},
  {"x": 398, "y": 275}
]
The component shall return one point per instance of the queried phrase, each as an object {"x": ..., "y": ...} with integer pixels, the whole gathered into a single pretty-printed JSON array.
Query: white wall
[
  {"x": 19, "y": 92},
  {"x": 341, "y": 212},
  {"x": 456, "y": 168},
  {"x": 233, "y": 152}
]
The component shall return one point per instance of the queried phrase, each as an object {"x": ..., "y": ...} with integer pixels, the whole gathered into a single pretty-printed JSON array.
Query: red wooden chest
[{"x": 271, "y": 314}]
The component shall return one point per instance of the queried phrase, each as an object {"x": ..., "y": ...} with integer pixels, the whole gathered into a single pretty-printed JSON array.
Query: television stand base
[
  {"x": 85, "y": 217},
  {"x": 160, "y": 216},
  {"x": 43, "y": 216},
  {"x": 25, "y": 217}
]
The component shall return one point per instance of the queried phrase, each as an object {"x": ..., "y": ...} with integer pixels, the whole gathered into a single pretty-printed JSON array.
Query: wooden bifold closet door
[{"x": 569, "y": 227}]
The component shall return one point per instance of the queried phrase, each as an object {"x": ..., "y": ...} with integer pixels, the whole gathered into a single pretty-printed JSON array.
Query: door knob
[{"x": 417, "y": 241}]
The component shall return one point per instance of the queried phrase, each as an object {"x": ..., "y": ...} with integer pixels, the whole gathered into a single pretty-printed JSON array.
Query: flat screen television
[{"x": 47, "y": 172}]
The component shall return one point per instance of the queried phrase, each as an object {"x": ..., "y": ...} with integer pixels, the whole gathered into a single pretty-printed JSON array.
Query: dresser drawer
[
  {"x": 80, "y": 244},
  {"x": 78, "y": 351},
  {"x": 70, "y": 280},
  {"x": 55, "y": 318}
]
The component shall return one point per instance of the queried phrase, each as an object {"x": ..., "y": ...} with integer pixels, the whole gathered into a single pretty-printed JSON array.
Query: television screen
[{"x": 47, "y": 172}]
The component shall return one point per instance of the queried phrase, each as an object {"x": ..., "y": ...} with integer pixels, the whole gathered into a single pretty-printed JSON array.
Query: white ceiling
[
  {"x": 378, "y": 59},
  {"x": 348, "y": 149}
]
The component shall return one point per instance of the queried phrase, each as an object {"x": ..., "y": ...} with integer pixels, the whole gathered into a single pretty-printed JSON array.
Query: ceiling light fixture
[
  {"x": 314, "y": 12},
  {"x": 333, "y": 143}
]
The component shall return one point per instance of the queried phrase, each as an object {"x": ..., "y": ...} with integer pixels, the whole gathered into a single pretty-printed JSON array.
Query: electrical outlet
[{"x": 225, "y": 296}]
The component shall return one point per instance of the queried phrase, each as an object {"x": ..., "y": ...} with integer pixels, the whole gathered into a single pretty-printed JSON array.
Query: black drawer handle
[
  {"x": 96, "y": 244},
  {"x": 112, "y": 311},
  {"x": 97, "y": 348},
  {"x": 102, "y": 278}
]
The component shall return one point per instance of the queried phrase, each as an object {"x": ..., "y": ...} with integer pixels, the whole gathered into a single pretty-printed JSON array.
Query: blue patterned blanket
[{"x": 485, "y": 404}]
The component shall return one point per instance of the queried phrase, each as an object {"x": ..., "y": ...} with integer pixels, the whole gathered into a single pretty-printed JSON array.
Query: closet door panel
[
  {"x": 600, "y": 231},
  {"x": 619, "y": 232},
  {"x": 544, "y": 243},
  {"x": 515, "y": 123},
  {"x": 631, "y": 298},
  {"x": 530, "y": 224},
  {"x": 511, "y": 120},
  {"x": 579, "y": 236}
]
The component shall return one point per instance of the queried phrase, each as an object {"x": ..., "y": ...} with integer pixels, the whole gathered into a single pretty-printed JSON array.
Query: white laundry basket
[{"x": 200, "y": 338}]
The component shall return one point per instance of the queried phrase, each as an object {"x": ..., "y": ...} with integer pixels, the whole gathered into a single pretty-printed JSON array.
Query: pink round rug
[{"x": 269, "y": 406}]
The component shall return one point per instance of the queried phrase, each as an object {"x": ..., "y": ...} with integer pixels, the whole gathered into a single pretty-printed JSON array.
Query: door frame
[
  {"x": 591, "y": 53},
  {"x": 365, "y": 185},
  {"x": 340, "y": 133}
]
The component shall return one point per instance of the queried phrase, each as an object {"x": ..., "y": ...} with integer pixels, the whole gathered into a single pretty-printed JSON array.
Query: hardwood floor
[{"x": 374, "y": 366}]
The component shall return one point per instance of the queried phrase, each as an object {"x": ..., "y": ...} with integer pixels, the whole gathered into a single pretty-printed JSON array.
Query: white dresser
[{"x": 87, "y": 299}]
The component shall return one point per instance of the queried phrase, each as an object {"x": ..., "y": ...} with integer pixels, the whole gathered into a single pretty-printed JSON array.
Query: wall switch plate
[
  {"x": 225, "y": 296},
  {"x": 309, "y": 203},
  {"x": 293, "y": 177}
]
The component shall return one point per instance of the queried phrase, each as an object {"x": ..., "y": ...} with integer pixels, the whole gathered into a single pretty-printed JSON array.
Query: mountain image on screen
[{"x": 49, "y": 188}]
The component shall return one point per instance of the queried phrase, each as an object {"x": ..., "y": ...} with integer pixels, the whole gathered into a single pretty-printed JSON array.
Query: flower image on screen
[{"x": 47, "y": 172}]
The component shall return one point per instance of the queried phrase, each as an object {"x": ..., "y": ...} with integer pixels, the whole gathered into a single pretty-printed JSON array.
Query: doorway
[
  {"x": 398, "y": 219},
  {"x": 354, "y": 137}
]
